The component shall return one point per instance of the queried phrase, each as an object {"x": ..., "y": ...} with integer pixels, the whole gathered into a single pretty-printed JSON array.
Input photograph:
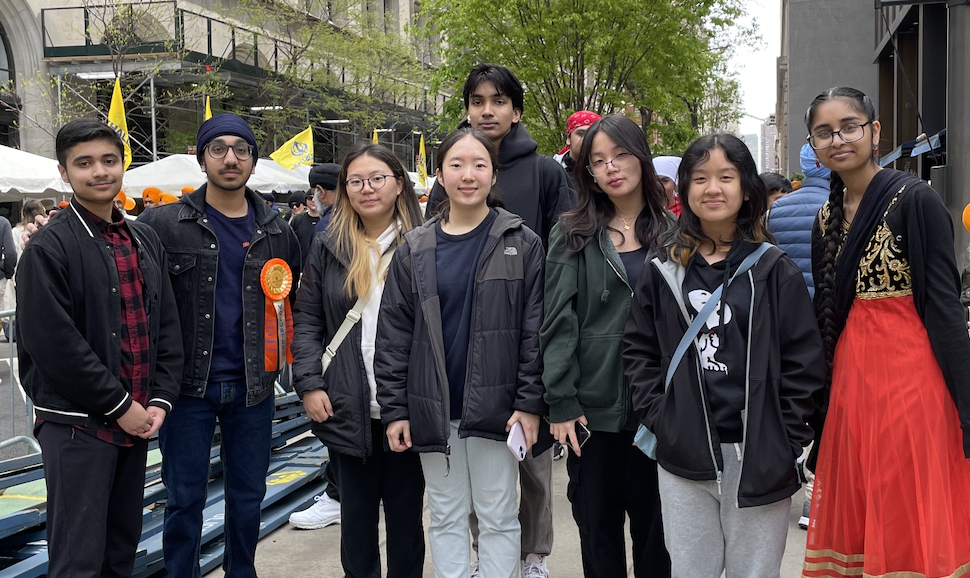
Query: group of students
[
  {"x": 470, "y": 332},
  {"x": 417, "y": 347}
]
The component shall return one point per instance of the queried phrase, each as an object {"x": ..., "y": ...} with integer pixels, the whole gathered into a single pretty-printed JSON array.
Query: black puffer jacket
[
  {"x": 321, "y": 306},
  {"x": 504, "y": 364},
  {"x": 785, "y": 369}
]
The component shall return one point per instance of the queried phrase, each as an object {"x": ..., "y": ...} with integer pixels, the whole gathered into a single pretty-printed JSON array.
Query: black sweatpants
[
  {"x": 398, "y": 481},
  {"x": 94, "y": 502},
  {"x": 611, "y": 480}
]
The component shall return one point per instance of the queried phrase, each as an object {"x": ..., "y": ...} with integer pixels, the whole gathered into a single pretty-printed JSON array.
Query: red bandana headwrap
[
  {"x": 576, "y": 120},
  {"x": 580, "y": 118}
]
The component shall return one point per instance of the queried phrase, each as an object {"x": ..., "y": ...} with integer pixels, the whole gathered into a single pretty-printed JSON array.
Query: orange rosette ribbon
[{"x": 277, "y": 281}]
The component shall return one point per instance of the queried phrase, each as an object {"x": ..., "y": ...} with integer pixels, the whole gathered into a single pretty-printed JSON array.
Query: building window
[{"x": 6, "y": 59}]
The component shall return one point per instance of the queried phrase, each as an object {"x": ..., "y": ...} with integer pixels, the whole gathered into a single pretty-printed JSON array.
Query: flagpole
[{"x": 151, "y": 85}]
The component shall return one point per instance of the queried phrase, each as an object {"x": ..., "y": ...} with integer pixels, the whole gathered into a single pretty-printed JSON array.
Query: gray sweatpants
[{"x": 706, "y": 533}]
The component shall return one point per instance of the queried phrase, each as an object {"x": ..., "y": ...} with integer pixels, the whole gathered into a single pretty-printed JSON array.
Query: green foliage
[
  {"x": 796, "y": 177},
  {"x": 660, "y": 56},
  {"x": 343, "y": 63}
]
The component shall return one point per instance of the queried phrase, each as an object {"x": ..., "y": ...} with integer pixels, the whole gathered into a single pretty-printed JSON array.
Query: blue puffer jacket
[{"x": 791, "y": 220}]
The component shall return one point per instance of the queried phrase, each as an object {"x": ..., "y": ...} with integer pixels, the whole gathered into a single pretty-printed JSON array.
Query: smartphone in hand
[
  {"x": 516, "y": 441},
  {"x": 582, "y": 433}
]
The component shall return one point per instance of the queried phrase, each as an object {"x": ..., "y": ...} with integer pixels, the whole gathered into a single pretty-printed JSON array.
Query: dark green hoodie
[{"x": 587, "y": 303}]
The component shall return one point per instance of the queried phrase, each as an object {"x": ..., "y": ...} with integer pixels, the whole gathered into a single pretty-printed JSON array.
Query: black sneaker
[{"x": 558, "y": 451}]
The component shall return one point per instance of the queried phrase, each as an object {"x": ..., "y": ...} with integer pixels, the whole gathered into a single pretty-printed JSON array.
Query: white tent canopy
[
  {"x": 173, "y": 172},
  {"x": 23, "y": 174}
]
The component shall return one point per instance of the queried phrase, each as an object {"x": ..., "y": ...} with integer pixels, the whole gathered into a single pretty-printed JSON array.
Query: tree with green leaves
[
  {"x": 657, "y": 58},
  {"x": 333, "y": 59}
]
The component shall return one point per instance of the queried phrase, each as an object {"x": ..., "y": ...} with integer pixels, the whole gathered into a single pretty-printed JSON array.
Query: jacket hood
[
  {"x": 517, "y": 144},
  {"x": 807, "y": 160},
  {"x": 738, "y": 252},
  {"x": 420, "y": 236},
  {"x": 815, "y": 182},
  {"x": 264, "y": 214}
]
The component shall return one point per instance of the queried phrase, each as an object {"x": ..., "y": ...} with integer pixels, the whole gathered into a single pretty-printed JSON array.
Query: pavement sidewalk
[{"x": 292, "y": 553}]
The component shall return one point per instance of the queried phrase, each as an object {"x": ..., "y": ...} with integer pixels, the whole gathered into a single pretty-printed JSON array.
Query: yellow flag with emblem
[
  {"x": 297, "y": 151},
  {"x": 208, "y": 111},
  {"x": 375, "y": 137},
  {"x": 422, "y": 165},
  {"x": 117, "y": 120}
]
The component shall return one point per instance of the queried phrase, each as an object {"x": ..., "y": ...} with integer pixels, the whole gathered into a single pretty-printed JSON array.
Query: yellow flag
[
  {"x": 117, "y": 120},
  {"x": 375, "y": 137},
  {"x": 297, "y": 151},
  {"x": 208, "y": 111},
  {"x": 422, "y": 165}
]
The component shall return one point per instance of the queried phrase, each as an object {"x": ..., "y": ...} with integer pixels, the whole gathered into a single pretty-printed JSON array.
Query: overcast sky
[{"x": 756, "y": 65}]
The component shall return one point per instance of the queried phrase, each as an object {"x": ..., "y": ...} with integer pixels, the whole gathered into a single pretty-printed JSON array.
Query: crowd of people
[{"x": 696, "y": 355}]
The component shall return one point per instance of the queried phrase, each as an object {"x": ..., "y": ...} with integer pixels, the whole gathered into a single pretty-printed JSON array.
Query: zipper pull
[
  {"x": 447, "y": 460},
  {"x": 719, "y": 474}
]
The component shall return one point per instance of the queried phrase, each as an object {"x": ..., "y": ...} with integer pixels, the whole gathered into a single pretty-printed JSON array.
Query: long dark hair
[
  {"x": 595, "y": 209},
  {"x": 688, "y": 236},
  {"x": 493, "y": 199},
  {"x": 832, "y": 239}
]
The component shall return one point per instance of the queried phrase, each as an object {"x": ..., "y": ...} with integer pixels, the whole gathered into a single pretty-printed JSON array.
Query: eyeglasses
[
  {"x": 849, "y": 133},
  {"x": 619, "y": 162},
  {"x": 375, "y": 182},
  {"x": 219, "y": 151}
]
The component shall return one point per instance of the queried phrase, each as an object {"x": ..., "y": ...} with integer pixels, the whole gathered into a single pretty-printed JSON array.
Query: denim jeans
[{"x": 185, "y": 439}]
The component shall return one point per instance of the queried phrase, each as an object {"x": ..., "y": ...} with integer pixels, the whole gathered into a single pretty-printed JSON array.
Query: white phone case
[{"x": 516, "y": 441}]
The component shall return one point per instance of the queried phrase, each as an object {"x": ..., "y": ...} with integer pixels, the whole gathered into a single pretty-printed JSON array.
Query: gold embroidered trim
[
  {"x": 849, "y": 558},
  {"x": 841, "y": 570},
  {"x": 872, "y": 296},
  {"x": 883, "y": 269}
]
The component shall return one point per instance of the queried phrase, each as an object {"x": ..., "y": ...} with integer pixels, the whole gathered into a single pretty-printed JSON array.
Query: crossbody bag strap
[
  {"x": 353, "y": 316},
  {"x": 705, "y": 312}
]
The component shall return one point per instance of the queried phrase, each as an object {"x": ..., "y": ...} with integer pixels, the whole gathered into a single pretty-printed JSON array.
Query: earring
[
  {"x": 875, "y": 151},
  {"x": 818, "y": 165}
]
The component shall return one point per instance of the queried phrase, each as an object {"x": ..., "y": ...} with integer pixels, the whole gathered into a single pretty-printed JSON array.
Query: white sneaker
[
  {"x": 324, "y": 512},
  {"x": 534, "y": 566},
  {"x": 474, "y": 572}
]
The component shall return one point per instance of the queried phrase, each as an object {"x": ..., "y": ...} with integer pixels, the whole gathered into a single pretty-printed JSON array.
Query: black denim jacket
[{"x": 193, "y": 258}]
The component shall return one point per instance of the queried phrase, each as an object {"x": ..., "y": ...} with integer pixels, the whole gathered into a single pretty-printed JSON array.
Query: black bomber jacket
[{"x": 69, "y": 322}]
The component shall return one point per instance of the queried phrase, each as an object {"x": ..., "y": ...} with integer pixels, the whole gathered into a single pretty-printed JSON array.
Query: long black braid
[{"x": 830, "y": 320}]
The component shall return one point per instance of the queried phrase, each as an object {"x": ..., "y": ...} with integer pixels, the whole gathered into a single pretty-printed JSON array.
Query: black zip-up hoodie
[{"x": 785, "y": 369}]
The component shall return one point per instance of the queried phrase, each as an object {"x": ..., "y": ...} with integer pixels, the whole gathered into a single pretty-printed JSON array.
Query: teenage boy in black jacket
[{"x": 100, "y": 357}]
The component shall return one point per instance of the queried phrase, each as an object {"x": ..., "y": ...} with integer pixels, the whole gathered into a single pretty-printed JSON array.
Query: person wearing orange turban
[
  {"x": 187, "y": 189},
  {"x": 151, "y": 196},
  {"x": 123, "y": 203},
  {"x": 167, "y": 198}
]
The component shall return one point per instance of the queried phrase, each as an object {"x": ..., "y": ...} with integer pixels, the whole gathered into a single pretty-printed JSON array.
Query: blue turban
[{"x": 223, "y": 124}]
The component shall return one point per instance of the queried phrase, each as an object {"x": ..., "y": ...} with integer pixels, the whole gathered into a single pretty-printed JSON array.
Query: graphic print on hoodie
[{"x": 722, "y": 341}]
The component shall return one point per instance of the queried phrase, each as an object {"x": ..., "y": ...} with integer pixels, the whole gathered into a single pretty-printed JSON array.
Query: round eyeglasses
[
  {"x": 376, "y": 182},
  {"x": 619, "y": 162},
  {"x": 219, "y": 151},
  {"x": 850, "y": 133}
]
